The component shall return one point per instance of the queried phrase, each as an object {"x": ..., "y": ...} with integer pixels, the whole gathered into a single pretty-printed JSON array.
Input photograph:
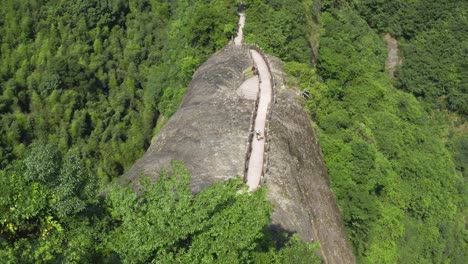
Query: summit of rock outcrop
[
  {"x": 210, "y": 134},
  {"x": 210, "y": 130}
]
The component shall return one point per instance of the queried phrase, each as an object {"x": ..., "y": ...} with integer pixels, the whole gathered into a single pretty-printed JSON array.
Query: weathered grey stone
[
  {"x": 209, "y": 133},
  {"x": 297, "y": 178}
]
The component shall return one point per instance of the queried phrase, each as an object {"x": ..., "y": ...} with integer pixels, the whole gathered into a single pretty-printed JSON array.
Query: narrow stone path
[
  {"x": 240, "y": 33},
  {"x": 255, "y": 168},
  {"x": 326, "y": 220},
  {"x": 249, "y": 90}
]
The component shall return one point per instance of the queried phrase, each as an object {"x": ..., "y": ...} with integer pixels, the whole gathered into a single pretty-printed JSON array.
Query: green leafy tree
[
  {"x": 166, "y": 222},
  {"x": 43, "y": 208},
  {"x": 394, "y": 179},
  {"x": 89, "y": 73}
]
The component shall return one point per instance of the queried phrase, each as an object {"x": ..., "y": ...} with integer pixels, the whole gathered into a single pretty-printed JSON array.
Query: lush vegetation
[
  {"x": 280, "y": 27},
  {"x": 50, "y": 213},
  {"x": 83, "y": 87},
  {"x": 433, "y": 39},
  {"x": 85, "y": 84},
  {"x": 401, "y": 197},
  {"x": 96, "y": 75},
  {"x": 398, "y": 184},
  {"x": 434, "y": 42}
]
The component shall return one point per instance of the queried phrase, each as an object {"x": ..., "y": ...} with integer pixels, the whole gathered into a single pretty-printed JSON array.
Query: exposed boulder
[
  {"x": 209, "y": 133},
  {"x": 297, "y": 178}
]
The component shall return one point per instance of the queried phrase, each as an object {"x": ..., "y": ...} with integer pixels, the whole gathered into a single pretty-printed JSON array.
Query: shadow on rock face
[{"x": 279, "y": 235}]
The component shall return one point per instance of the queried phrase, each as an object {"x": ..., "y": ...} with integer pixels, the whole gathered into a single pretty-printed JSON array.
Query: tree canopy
[
  {"x": 84, "y": 85},
  {"x": 97, "y": 75},
  {"x": 398, "y": 180},
  {"x": 434, "y": 44},
  {"x": 59, "y": 219}
]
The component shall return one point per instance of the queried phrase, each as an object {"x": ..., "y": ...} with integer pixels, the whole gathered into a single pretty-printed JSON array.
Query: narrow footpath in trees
[
  {"x": 256, "y": 160},
  {"x": 240, "y": 33}
]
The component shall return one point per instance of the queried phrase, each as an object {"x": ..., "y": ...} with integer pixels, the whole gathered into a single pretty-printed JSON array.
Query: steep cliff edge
[
  {"x": 393, "y": 55},
  {"x": 210, "y": 131},
  {"x": 297, "y": 179}
]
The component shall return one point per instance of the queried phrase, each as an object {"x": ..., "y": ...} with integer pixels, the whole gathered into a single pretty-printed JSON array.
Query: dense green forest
[
  {"x": 434, "y": 43},
  {"x": 96, "y": 75},
  {"x": 84, "y": 85},
  {"x": 50, "y": 214},
  {"x": 435, "y": 47},
  {"x": 280, "y": 27},
  {"x": 396, "y": 173}
]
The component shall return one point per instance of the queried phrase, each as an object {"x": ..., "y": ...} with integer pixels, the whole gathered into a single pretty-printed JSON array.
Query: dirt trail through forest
[
  {"x": 393, "y": 57},
  {"x": 240, "y": 33}
]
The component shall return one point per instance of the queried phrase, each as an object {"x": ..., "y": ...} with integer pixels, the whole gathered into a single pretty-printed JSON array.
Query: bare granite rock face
[
  {"x": 210, "y": 130},
  {"x": 209, "y": 133},
  {"x": 297, "y": 178}
]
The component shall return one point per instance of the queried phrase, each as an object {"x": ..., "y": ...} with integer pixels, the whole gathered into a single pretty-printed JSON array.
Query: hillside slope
[
  {"x": 210, "y": 131},
  {"x": 298, "y": 180}
]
